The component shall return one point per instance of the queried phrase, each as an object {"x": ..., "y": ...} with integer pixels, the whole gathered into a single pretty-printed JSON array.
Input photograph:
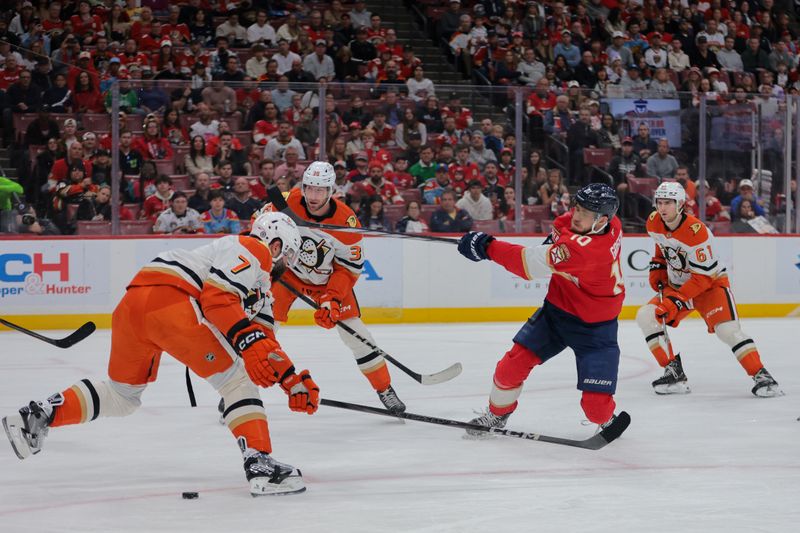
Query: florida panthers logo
[
  {"x": 312, "y": 254},
  {"x": 676, "y": 258}
]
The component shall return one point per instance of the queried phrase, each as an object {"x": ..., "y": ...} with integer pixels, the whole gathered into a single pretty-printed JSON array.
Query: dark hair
[
  {"x": 178, "y": 194},
  {"x": 213, "y": 195},
  {"x": 163, "y": 178},
  {"x": 224, "y": 162},
  {"x": 194, "y": 153}
]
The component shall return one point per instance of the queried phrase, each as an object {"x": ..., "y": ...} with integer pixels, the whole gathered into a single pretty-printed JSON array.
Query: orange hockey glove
[
  {"x": 671, "y": 306},
  {"x": 658, "y": 274},
  {"x": 328, "y": 313},
  {"x": 264, "y": 360},
  {"x": 302, "y": 391}
]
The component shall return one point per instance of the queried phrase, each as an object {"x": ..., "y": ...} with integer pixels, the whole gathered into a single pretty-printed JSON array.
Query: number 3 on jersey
[{"x": 355, "y": 253}]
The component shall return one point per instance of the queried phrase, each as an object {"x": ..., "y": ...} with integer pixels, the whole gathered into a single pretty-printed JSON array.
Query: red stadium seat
[
  {"x": 644, "y": 186},
  {"x": 547, "y": 226},
  {"x": 597, "y": 156},
  {"x": 96, "y": 122},
  {"x": 134, "y": 209},
  {"x": 135, "y": 227},
  {"x": 412, "y": 195},
  {"x": 180, "y": 182},
  {"x": 394, "y": 213},
  {"x": 21, "y": 123},
  {"x": 165, "y": 166},
  {"x": 486, "y": 226},
  {"x": 528, "y": 226},
  {"x": 86, "y": 227},
  {"x": 535, "y": 212},
  {"x": 721, "y": 227},
  {"x": 426, "y": 212}
]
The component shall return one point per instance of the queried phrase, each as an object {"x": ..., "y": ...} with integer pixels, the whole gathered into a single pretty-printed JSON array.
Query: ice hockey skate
[
  {"x": 27, "y": 429},
  {"x": 487, "y": 419},
  {"x": 390, "y": 400},
  {"x": 766, "y": 386},
  {"x": 269, "y": 477},
  {"x": 674, "y": 379}
]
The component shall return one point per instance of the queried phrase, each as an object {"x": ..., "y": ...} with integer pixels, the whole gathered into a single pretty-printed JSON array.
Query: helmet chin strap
[{"x": 593, "y": 230}]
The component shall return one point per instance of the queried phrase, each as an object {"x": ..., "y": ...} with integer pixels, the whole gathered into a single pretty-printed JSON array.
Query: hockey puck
[{"x": 190, "y": 495}]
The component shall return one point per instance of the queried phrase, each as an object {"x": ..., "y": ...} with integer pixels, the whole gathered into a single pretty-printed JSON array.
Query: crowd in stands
[{"x": 219, "y": 101}]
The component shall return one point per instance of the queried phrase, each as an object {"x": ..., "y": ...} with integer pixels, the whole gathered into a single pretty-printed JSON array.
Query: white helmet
[
  {"x": 671, "y": 190},
  {"x": 319, "y": 174},
  {"x": 271, "y": 226}
]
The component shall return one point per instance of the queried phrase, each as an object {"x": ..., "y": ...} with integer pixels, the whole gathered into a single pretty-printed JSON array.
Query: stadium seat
[
  {"x": 21, "y": 123},
  {"x": 96, "y": 122},
  {"x": 426, "y": 212},
  {"x": 528, "y": 226},
  {"x": 165, "y": 166},
  {"x": 135, "y": 227},
  {"x": 644, "y": 186},
  {"x": 535, "y": 212},
  {"x": 180, "y": 182},
  {"x": 721, "y": 227},
  {"x": 412, "y": 195},
  {"x": 134, "y": 209},
  {"x": 394, "y": 213},
  {"x": 547, "y": 226},
  {"x": 87, "y": 227},
  {"x": 486, "y": 226},
  {"x": 597, "y": 156}
]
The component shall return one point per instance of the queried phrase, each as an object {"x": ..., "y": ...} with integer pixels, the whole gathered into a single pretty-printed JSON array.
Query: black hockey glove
[{"x": 473, "y": 245}]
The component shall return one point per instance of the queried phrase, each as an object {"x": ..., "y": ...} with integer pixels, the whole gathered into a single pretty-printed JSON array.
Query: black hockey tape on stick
[
  {"x": 276, "y": 199},
  {"x": 426, "y": 379},
  {"x": 595, "y": 442},
  {"x": 73, "y": 338},
  {"x": 190, "y": 389}
]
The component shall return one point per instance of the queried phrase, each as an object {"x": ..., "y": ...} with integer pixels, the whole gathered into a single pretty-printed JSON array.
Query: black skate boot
[
  {"x": 390, "y": 400},
  {"x": 221, "y": 409},
  {"x": 674, "y": 380},
  {"x": 269, "y": 477},
  {"x": 487, "y": 419},
  {"x": 766, "y": 386},
  {"x": 26, "y": 431}
]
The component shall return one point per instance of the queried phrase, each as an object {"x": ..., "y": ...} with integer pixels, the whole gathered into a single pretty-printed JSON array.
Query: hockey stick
[
  {"x": 664, "y": 322},
  {"x": 426, "y": 379},
  {"x": 276, "y": 199},
  {"x": 73, "y": 338},
  {"x": 595, "y": 442}
]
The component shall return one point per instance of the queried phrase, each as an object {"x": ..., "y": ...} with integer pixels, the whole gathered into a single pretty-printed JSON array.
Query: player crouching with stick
[
  {"x": 580, "y": 311},
  {"x": 688, "y": 276},
  {"x": 188, "y": 303}
]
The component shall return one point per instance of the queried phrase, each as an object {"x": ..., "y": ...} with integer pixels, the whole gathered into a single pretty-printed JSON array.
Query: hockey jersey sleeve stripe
[
  {"x": 345, "y": 262},
  {"x": 704, "y": 268},
  {"x": 220, "y": 274},
  {"x": 266, "y": 318},
  {"x": 189, "y": 272}
]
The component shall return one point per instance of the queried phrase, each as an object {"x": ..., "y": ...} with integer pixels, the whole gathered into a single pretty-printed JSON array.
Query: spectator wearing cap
[
  {"x": 505, "y": 167},
  {"x": 662, "y": 164},
  {"x": 361, "y": 170},
  {"x": 448, "y": 218},
  {"x": 703, "y": 57},
  {"x": 377, "y": 185},
  {"x": 656, "y": 55},
  {"x": 746, "y": 193},
  {"x": 632, "y": 83},
  {"x": 478, "y": 152},
  {"x": 566, "y": 48},
  {"x": 728, "y": 57},
  {"x": 432, "y": 188},
  {"x": 478, "y": 206},
  {"x": 617, "y": 48},
  {"x": 261, "y": 31},
  {"x": 319, "y": 64},
  {"x": 89, "y": 145}
]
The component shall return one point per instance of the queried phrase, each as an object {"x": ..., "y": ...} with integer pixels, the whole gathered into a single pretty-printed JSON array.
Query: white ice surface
[{"x": 718, "y": 459}]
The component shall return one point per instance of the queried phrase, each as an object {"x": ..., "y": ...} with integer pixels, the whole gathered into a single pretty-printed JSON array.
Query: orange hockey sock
[
  {"x": 660, "y": 348},
  {"x": 80, "y": 405},
  {"x": 379, "y": 377},
  {"x": 751, "y": 362},
  {"x": 256, "y": 432}
]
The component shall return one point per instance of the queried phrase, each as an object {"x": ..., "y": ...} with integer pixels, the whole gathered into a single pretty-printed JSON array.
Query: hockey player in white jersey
[{"x": 210, "y": 308}]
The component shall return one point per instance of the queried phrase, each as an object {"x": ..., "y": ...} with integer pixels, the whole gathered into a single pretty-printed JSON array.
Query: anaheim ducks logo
[
  {"x": 312, "y": 254},
  {"x": 676, "y": 258}
]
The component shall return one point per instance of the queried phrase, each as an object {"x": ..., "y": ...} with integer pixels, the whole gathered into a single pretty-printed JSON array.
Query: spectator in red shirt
[
  {"x": 470, "y": 170},
  {"x": 174, "y": 30},
  {"x": 53, "y": 20},
  {"x": 10, "y": 74},
  {"x": 86, "y": 98},
  {"x": 376, "y": 185},
  {"x": 400, "y": 176},
  {"x": 151, "y": 144},
  {"x": 142, "y": 26},
  {"x": 159, "y": 201},
  {"x": 60, "y": 170},
  {"x": 85, "y": 25},
  {"x": 84, "y": 65}
]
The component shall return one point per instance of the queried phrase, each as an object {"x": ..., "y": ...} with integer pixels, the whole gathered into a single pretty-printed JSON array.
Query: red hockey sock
[
  {"x": 515, "y": 367},
  {"x": 598, "y": 406}
]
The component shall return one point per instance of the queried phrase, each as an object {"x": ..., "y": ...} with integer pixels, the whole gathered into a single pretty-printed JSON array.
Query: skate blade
[
  {"x": 13, "y": 426},
  {"x": 769, "y": 392},
  {"x": 674, "y": 388},
  {"x": 261, "y": 486}
]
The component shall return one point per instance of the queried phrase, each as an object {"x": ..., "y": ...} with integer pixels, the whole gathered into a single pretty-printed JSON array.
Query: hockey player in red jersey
[
  {"x": 692, "y": 278},
  {"x": 582, "y": 259},
  {"x": 210, "y": 309}
]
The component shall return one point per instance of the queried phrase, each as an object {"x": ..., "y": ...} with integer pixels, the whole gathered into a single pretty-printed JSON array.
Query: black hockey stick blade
[
  {"x": 595, "y": 442},
  {"x": 73, "y": 338},
  {"x": 426, "y": 379},
  {"x": 276, "y": 198}
]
